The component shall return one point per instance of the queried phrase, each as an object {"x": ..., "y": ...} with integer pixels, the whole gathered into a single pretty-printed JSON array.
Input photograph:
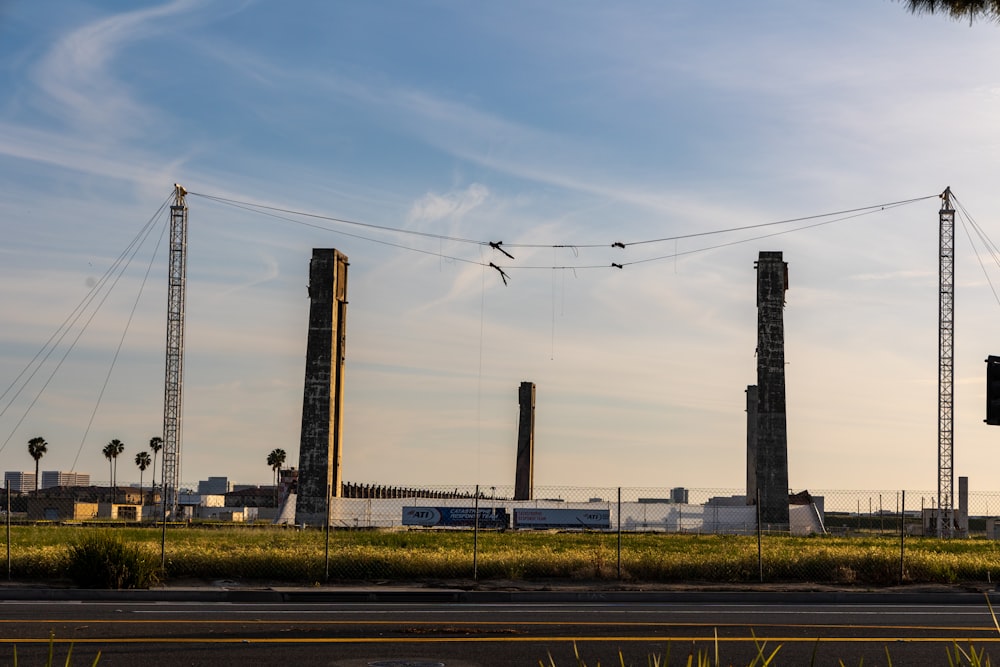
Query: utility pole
[
  {"x": 946, "y": 366},
  {"x": 174, "y": 374}
]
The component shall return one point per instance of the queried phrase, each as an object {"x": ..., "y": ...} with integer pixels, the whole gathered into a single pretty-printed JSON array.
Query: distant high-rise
[
  {"x": 22, "y": 482},
  {"x": 55, "y": 478}
]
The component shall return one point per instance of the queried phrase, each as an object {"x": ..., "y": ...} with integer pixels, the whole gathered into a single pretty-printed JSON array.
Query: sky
[{"x": 558, "y": 129}]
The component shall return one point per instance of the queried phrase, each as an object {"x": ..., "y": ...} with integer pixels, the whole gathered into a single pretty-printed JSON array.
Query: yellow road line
[{"x": 491, "y": 624}]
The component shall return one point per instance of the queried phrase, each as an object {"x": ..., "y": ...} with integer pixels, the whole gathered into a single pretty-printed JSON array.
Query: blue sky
[{"x": 536, "y": 124}]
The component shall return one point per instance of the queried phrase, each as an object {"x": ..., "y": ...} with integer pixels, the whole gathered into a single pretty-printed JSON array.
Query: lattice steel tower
[
  {"x": 946, "y": 367},
  {"x": 174, "y": 375}
]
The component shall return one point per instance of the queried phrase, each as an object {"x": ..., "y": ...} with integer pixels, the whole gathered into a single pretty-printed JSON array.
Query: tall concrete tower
[
  {"x": 321, "y": 443},
  {"x": 772, "y": 435},
  {"x": 524, "y": 474}
]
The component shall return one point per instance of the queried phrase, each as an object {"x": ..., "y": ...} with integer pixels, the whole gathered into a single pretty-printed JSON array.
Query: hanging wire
[
  {"x": 121, "y": 341},
  {"x": 875, "y": 208},
  {"x": 499, "y": 246},
  {"x": 270, "y": 211},
  {"x": 98, "y": 293},
  {"x": 396, "y": 230},
  {"x": 757, "y": 238},
  {"x": 967, "y": 221},
  {"x": 479, "y": 374},
  {"x": 619, "y": 265},
  {"x": 66, "y": 325}
]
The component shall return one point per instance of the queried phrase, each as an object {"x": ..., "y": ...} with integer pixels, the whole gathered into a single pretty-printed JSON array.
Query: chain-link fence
[{"x": 562, "y": 533}]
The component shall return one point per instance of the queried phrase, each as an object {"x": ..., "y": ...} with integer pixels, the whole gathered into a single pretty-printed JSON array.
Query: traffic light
[{"x": 993, "y": 390}]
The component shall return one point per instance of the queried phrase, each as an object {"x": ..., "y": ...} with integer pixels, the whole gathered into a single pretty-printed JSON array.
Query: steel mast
[
  {"x": 946, "y": 367},
  {"x": 174, "y": 368}
]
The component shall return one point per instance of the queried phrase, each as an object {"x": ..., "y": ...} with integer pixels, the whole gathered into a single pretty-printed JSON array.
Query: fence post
[
  {"x": 163, "y": 531},
  {"x": 475, "y": 539},
  {"x": 619, "y": 532},
  {"x": 8, "y": 535},
  {"x": 326, "y": 536},
  {"x": 760, "y": 549},
  {"x": 902, "y": 536}
]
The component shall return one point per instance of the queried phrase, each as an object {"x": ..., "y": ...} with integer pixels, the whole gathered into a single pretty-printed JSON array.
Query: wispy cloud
[
  {"x": 600, "y": 124},
  {"x": 77, "y": 79},
  {"x": 85, "y": 155},
  {"x": 434, "y": 206}
]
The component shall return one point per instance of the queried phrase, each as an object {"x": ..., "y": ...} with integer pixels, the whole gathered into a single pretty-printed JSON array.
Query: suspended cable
[
  {"x": 980, "y": 260},
  {"x": 987, "y": 244},
  {"x": 121, "y": 341},
  {"x": 748, "y": 240},
  {"x": 67, "y": 324},
  {"x": 272, "y": 211},
  {"x": 496, "y": 245},
  {"x": 675, "y": 254},
  {"x": 871, "y": 209},
  {"x": 109, "y": 280},
  {"x": 622, "y": 245},
  {"x": 254, "y": 208},
  {"x": 395, "y": 230},
  {"x": 981, "y": 233}
]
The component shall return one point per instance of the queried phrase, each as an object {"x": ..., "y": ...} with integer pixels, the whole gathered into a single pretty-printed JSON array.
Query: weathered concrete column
[
  {"x": 320, "y": 446},
  {"x": 524, "y": 477},
  {"x": 772, "y": 434}
]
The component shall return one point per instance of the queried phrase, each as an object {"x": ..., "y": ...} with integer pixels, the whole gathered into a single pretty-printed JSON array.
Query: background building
[
  {"x": 215, "y": 486},
  {"x": 54, "y": 478},
  {"x": 21, "y": 482}
]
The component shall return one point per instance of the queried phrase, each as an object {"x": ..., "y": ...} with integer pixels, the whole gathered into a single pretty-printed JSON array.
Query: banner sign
[
  {"x": 592, "y": 519},
  {"x": 456, "y": 516}
]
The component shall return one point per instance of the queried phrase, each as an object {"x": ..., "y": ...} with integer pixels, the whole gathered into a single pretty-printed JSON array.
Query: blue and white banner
[
  {"x": 456, "y": 516},
  {"x": 533, "y": 517}
]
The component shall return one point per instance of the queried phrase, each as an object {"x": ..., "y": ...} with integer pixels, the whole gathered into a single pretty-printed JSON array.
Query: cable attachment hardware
[
  {"x": 616, "y": 266},
  {"x": 618, "y": 244},
  {"x": 496, "y": 246},
  {"x": 503, "y": 275}
]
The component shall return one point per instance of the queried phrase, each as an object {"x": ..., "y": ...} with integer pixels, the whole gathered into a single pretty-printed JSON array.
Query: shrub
[{"x": 104, "y": 560}]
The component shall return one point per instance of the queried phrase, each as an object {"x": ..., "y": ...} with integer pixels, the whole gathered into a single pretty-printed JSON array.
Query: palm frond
[{"x": 958, "y": 9}]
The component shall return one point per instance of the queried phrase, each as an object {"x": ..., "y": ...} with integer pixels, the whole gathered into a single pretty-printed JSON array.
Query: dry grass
[{"x": 40, "y": 552}]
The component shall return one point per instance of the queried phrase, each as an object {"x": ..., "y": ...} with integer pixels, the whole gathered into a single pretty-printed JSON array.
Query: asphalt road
[{"x": 464, "y": 634}]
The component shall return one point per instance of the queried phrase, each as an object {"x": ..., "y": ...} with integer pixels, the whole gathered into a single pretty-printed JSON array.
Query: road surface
[{"x": 467, "y": 634}]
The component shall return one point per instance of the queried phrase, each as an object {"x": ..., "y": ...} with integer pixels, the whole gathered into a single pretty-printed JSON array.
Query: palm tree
[
  {"x": 111, "y": 452},
  {"x": 958, "y": 9},
  {"x": 155, "y": 445},
  {"x": 142, "y": 460},
  {"x": 276, "y": 459},
  {"x": 37, "y": 448},
  {"x": 108, "y": 454}
]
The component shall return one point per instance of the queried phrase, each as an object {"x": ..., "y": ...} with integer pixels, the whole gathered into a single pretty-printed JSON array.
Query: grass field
[{"x": 288, "y": 555}]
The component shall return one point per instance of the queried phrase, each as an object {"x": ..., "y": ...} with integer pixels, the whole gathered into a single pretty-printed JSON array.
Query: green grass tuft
[{"x": 105, "y": 560}]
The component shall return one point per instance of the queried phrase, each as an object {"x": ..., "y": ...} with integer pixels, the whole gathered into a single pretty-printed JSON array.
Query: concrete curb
[{"x": 452, "y": 596}]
